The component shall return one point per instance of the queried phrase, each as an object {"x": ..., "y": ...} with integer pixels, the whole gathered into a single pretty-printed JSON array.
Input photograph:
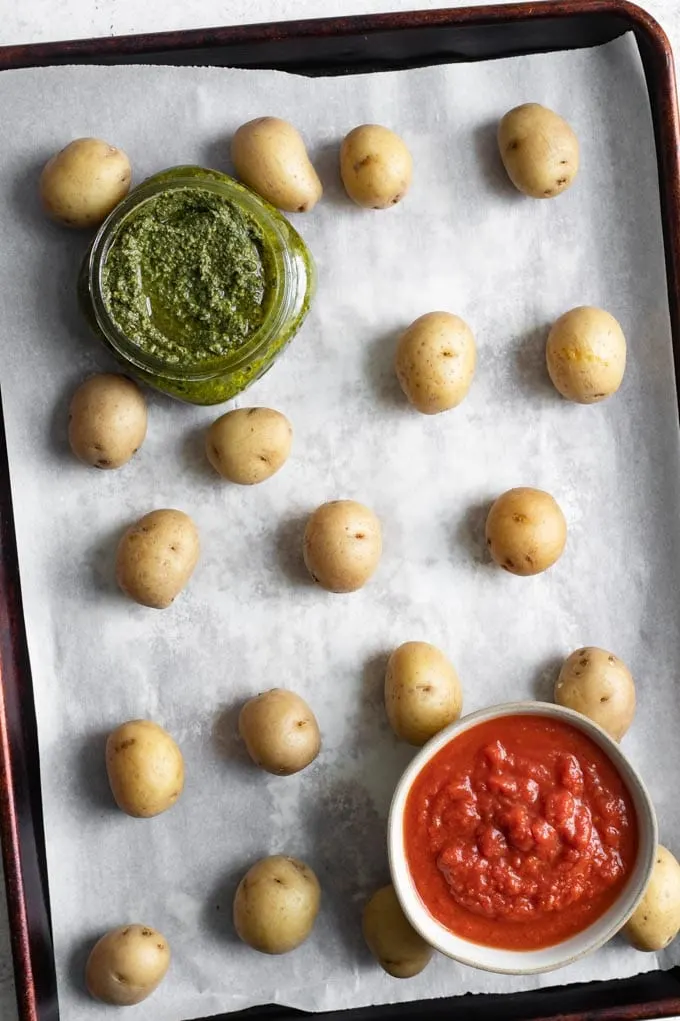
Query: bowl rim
[{"x": 436, "y": 934}]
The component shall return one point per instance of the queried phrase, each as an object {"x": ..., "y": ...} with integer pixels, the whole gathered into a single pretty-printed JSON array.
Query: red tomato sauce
[{"x": 519, "y": 833}]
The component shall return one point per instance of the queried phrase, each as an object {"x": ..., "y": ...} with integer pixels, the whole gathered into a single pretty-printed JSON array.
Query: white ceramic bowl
[{"x": 526, "y": 962}]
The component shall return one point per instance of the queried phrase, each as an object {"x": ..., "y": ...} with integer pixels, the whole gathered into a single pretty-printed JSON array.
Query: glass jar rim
[{"x": 283, "y": 285}]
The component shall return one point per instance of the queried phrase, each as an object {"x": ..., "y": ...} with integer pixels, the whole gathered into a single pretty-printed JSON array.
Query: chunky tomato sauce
[{"x": 519, "y": 833}]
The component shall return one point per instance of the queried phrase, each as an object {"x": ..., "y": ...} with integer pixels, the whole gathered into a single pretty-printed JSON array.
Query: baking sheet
[{"x": 462, "y": 240}]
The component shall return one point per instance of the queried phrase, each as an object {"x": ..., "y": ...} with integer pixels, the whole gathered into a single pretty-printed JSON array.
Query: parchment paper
[{"x": 462, "y": 240}]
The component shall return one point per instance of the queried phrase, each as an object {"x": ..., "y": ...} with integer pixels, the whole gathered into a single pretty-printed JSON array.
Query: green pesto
[
  {"x": 185, "y": 279},
  {"x": 219, "y": 377}
]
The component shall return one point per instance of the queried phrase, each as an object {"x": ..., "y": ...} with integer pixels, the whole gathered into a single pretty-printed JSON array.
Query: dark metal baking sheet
[{"x": 321, "y": 47}]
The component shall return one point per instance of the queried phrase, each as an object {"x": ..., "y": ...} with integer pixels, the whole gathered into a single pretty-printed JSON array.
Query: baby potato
[
  {"x": 586, "y": 355},
  {"x": 539, "y": 150},
  {"x": 107, "y": 421},
  {"x": 145, "y": 768},
  {"x": 280, "y": 731},
  {"x": 269, "y": 156},
  {"x": 656, "y": 920},
  {"x": 82, "y": 184},
  {"x": 375, "y": 166},
  {"x": 395, "y": 944},
  {"x": 156, "y": 557},
  {"x": 249, "y": 445},
  {"x": 435, "y": 362},
  {"x": 596, "y": 684},
  {"x": 127, "y": 965},
  {"x": 422, "y": 692},
  {"x": 276, "y": 904},
  {"x": 342, "y": 545},
  {"x": 526, "y": 531}
]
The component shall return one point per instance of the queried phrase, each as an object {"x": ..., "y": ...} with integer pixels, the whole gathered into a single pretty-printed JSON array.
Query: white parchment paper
[{"x": 462, "y": 240}]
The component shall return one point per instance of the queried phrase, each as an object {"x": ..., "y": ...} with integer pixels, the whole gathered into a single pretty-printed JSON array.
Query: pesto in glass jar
[{"x": 196, "y": 284}]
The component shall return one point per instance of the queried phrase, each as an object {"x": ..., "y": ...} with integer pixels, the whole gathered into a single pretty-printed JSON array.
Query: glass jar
[{"x": 289, "y": 289}]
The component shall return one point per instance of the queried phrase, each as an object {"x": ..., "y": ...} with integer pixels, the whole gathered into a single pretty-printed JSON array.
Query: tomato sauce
[{"x": 519, "y": 833}]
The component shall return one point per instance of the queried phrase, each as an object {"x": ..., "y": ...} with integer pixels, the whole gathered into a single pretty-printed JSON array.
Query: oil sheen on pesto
[{"x": 185, "y": 279}]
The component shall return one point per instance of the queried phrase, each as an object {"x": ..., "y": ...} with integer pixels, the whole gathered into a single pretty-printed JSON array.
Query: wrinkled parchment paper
[{"x": 462, "y": 240}]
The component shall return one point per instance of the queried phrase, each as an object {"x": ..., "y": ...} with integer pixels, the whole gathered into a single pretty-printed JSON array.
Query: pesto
[
  {"x": 185, "y": 278},
  {"x": 160, "y": 314}
]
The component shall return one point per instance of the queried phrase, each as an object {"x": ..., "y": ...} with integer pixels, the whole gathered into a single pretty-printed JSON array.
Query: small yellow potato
[
  {"x": 656, "y": 920},
  {"x": 145, "y": 768},
  {"x": 540, "y": 152},
  {"x": 395, "y": 944},
  {"x": 84, "y": 182},
  {"x": 598, "y": 685},
  {"x": 422, "y": 692},
  {"x": 342, "y": 545},
  {"x": 249, "y": 445},
  {"x": 586, "y": 355},
  {"x": 127, "y": 965},
  {"x": 269, "y": 156},
  {"x": 107, "y": 421},
  {"x": 526, "y": 531},
  {"x": 435, "y": 362},
  {"x": 156, "y": 557},
  {"x": 376, "y": 167},
  {"x": 280, "y": 731},
  {"x": 276, "y": 904}
]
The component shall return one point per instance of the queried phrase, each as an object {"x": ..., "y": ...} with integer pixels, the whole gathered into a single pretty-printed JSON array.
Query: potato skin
[
  {"x": 276, "y": 904},
  {"x": 145, "y": 768},
  {"x": 598, "y": 685},
  {"x": 342, "y": 545},
  {"x": 127, "y": 965},
  {"x": 656, "y": 920},
  {"x": 82, "y": 183},
  {"x": 107, "y": 421},
  {"x": 395, "y": 944},
  {"x": 156, "y": 557},
  {"x": 540, "y": 152},
  {"x": 249, "y": 445},
  {"x": 280, "y": 731},
  {"x": 435, "y": 362},
  {"x": 526, "y": 531},
  {"x": 269, "y": 156},
  {"x": 376, "y": 166},
  {"x": 586, "y": 355},
  {"x": 422, "y": 692}
]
